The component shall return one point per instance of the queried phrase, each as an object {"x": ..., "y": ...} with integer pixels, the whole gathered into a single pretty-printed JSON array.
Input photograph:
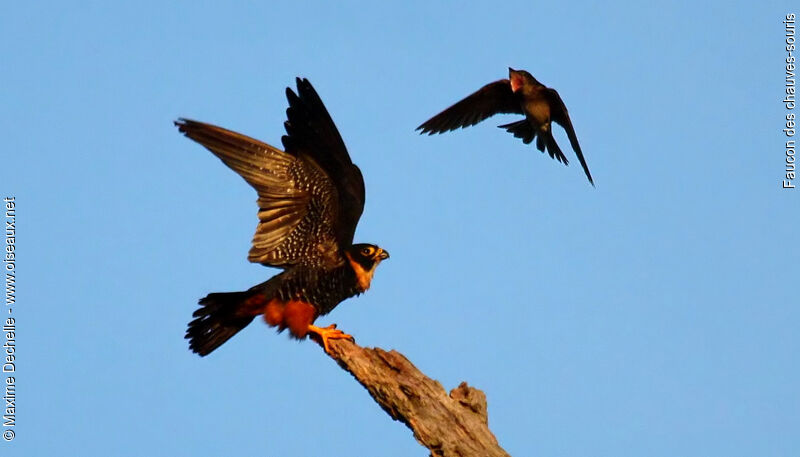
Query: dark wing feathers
[
  {"x": 487, "y": 101},
  {"x": 310, "y": 197},
  {"x": 559, "y": 113},
  {"x": 312, "y": 133},
  {"x": 282, "y": 204}
]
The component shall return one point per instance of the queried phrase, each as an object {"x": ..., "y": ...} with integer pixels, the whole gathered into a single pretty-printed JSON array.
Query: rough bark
[{"x": 448, "y": 425}]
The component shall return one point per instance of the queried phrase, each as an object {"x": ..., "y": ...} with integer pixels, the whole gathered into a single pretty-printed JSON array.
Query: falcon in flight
[
  {"x": 310, "y": 198},
  {"x": 521, "y": 93}
]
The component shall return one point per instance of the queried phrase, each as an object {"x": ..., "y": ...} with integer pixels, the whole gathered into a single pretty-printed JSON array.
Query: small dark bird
[
  {"x": 521, "y": 93},
  {"x": 310, "y": 198}
]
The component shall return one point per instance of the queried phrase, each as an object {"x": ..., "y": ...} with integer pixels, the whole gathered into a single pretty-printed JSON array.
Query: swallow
[{"x": 521, "y": 93}]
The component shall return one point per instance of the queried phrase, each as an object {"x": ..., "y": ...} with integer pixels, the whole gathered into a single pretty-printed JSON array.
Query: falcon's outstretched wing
[
  {"x": 310, "y": 197},
  {"x": 312, "y": 133}
]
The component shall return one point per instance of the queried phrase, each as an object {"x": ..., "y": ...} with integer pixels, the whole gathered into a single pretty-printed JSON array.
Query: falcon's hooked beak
[
  {"x": 381, "y": 255},
  {"x": 515, "y": 78}
]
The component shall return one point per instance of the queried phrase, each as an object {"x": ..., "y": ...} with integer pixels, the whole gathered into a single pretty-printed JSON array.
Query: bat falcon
[
  {"x": 310, "y": 198},
  {"x": 521, "y": 93}
]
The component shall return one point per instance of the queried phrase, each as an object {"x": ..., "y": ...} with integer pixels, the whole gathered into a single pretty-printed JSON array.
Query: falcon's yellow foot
[{"x": 322, "y": 334}]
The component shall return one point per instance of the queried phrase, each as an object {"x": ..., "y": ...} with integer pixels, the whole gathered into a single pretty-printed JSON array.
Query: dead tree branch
[{"x": 448, "y": 425}]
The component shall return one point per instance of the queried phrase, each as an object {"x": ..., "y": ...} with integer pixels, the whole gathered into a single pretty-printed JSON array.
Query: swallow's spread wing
[
  {"x": 489, "y": 100},
  {"x": 304, "y": 218},
  {"x": 559, "y": 113}
]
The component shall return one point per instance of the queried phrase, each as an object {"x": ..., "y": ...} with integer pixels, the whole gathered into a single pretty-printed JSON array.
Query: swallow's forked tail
[
  {"x": 524, "y": 130},
  {"x": 552, "y": 147},
  {"x": 520, "y": 129}
]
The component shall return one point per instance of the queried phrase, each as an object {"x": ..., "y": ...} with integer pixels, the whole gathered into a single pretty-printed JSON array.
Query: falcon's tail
[{"x": 217, "y": 320}]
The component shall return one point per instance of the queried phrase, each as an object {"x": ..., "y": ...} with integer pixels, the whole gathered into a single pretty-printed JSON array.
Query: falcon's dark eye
[{"x": 367, "y": 251}]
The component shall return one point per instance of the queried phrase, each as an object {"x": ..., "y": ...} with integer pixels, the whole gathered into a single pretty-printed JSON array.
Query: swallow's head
[{"x": 520, "y": 79}]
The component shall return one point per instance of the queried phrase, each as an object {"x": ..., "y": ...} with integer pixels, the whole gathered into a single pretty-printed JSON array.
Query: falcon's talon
[{"x": 328, "y": 333}]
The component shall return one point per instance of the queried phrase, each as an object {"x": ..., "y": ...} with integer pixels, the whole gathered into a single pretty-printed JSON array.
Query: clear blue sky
[{"x": 654, "y": 315}]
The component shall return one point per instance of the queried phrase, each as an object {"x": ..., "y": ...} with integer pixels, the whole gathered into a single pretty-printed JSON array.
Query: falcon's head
[{"x": 364, "y": 258}]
